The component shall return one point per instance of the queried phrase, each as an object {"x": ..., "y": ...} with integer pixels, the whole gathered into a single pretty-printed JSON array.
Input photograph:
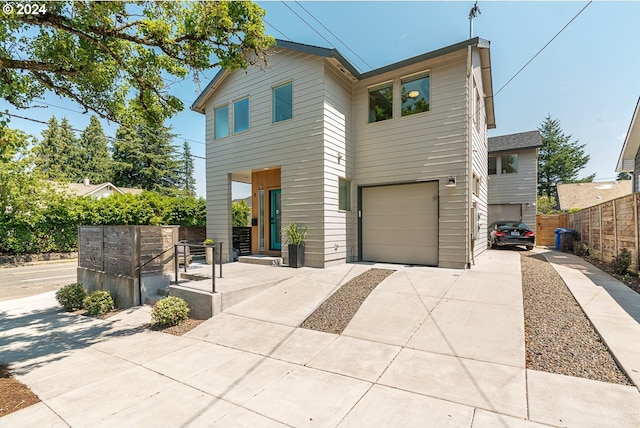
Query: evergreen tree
[
  {"x": 96, "y": 160},
  {"x": 559, "y": 159},
  {"x": 57, "y": 156},
  {"x": 189, "y": 184},
  {"x": 145, "y": 159}
]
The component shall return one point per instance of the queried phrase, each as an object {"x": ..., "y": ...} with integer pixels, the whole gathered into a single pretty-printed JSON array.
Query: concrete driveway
[{"x": 429, "y": 347}]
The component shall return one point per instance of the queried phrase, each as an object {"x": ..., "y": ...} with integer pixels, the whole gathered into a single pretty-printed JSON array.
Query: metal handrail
[
  {"x": 139, "y": 269},
  {"x": 213, "y": 262}
]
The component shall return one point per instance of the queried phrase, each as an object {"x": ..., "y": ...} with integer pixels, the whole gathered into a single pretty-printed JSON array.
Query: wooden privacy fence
[
  {"x": 109, "y": 257},
  {"x": 606, "y": 228},
  {"x": 546, "y": 226}
]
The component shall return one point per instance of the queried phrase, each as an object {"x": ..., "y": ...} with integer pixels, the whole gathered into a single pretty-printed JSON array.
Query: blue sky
[{"x": 588, "y": 77}]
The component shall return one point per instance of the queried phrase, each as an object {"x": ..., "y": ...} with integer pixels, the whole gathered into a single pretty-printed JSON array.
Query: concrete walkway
[{"x": 429, "y": 347}]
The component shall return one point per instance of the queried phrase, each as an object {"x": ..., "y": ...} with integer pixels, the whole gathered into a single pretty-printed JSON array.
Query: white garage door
[
  {"x": 400, "y": 224},
  {"x": 505, "y": 212}
]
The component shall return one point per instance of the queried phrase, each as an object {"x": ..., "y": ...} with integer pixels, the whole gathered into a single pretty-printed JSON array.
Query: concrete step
[
  {"x": 195, "y": 276},
  {"x": 261, "y": 260},
  {"x": 152, "y": 300}
]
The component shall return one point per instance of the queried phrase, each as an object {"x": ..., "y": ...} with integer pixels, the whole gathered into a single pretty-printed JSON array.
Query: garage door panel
[
  {"x": 400, "y": 223},
  {"x": 497, "y": 212}
]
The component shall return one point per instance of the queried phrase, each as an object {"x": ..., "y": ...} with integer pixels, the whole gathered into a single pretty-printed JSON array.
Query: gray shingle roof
[
  {"x": 584, "y": 195},
  {"x": 521, "y": 140}
]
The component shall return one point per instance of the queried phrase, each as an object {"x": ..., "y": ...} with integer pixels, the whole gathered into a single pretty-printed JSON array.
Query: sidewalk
[{"x": 429, "y": 347}]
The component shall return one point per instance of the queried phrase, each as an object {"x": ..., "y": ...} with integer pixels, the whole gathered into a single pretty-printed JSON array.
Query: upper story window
[
  {"x": 282, "y": 102},
  {"x": 493, "y": 167},
  {"x": 509, "y": 164},
  {"x": 414, "y": 91},
  {"x": 221, "y": 122},
  {"x": 241, "y": 115},
  {"x": 505, "y": 164},
  {"x": 381, "y": 102}
]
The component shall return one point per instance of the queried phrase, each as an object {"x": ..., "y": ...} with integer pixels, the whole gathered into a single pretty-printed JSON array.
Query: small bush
[
  {"x": 71, "y": 297},
  {"x": 99, "y": 302},
  {"x": 621, "y": 262},
  {"x": 170, "y": 311},
  {"x": 581, "y": 249}
]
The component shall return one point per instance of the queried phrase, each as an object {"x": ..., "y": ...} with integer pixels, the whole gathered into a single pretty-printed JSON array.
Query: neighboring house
[
  {"x": 513, "y": 177},
  {"x": 585, "y": 195},
  {"x": 388, "y": 165},
  {"x": 629, "y": 160},
  {"x": 99, "y": 190}
]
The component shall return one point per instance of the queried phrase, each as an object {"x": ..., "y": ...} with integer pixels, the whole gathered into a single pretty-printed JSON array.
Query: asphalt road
[{"x": 24, "y": 281}]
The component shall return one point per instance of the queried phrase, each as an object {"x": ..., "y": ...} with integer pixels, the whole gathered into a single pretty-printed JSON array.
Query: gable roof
[
  {"x": 626, "y": 161},
  {"x": 521, "y": 140},
  {"x": 585, "y": 195},
  {"x": 82, "y": 189},
  {"x": 354, "y": 75}
]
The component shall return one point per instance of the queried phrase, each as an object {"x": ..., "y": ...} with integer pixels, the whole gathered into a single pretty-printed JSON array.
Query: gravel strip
[
  {"x": 558, "y": 336},
  {"x": 333, "y": 315}
]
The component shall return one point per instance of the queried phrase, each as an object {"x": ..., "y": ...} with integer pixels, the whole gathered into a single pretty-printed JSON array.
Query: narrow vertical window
[
  {"x": 414, "y": 92},
  {"x": 380, "y": 103},
  {"x": 282, "y": 102},
  {"x": 493, "y": 167},
  {"x": 344, "y": 194},
  {"x": 221, "y": 122},
  {"x": 241, "y": 115}
]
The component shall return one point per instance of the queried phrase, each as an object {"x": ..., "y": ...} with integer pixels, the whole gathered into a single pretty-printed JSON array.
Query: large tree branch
[{"x": 9, "y": 63}]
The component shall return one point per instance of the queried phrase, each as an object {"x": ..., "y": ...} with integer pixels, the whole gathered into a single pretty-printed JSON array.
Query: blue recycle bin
[{"x": 559, "y": 232}]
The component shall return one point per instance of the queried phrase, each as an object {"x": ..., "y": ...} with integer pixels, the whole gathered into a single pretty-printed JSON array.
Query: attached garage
[
  {"x": 499, "y": 212},
  {"x": 399, "y": 223}
]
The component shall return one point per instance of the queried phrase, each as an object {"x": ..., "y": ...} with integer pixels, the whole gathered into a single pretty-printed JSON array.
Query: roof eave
[{"x": 631, "y": 142}]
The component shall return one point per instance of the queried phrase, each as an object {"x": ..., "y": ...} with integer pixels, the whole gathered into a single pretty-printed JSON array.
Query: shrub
[
  {"x": 71, "y": 297},
  {"x": 98, "y": 302},
  {"x": 621, "y": 262},
  {"x": 581, "y": 249},
  {"x": 170, "y": 311}
]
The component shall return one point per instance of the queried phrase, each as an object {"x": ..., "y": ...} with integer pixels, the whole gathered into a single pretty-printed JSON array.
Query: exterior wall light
[{"x": 451, "y": 182}]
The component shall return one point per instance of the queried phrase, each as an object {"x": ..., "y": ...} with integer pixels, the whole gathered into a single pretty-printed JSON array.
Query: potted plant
[
  {"x": 209, "y": 250},
  {"x": 296, "y": 236}
]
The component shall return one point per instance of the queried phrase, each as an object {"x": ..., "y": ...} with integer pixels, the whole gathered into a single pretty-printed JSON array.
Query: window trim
[
  {"x": 273, "y": 99},
  {"x": 375, "y": 87},
  {"x": 215, "y": 121},
  {"x": 248, "y": 114},
  {"x": 412, "y": 78}
]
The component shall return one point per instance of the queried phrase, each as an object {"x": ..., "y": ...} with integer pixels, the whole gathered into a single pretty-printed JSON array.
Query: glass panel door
[{"x": 276, "y": 223}]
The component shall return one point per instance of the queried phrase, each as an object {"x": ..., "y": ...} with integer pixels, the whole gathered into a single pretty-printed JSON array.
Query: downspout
[{"x": 470, "y": 249}]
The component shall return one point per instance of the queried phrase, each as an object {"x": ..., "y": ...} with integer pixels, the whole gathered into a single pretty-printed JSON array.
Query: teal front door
[{"x": 274, "y": 218}]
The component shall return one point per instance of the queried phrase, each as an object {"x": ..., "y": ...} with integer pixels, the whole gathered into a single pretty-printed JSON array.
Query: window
[
  {"x": 282, "y": 102},
  {"x": 344, "y": 194},
  {"x": 241, "y": 115},
  {"x": 380, "y": 103},
  {"x": 493, "y": 170},
  {"x": 509, "y": 164},
  {"x": 415, "y": 94},
  {"x": 221, "y": 122},
  {"x": 476, "y": 108}
]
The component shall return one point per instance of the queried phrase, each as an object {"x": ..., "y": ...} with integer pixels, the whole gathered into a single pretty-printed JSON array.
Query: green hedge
[{"x": 49, "y": 223}]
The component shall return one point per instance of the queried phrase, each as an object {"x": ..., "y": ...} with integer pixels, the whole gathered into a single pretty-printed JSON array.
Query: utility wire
[
  {"x": 107, "y": 137},
  {"x": 272, "y": 26},
  {"x": 309, "y": 25},
  {"x": 336, "y": 37},
  {"x": 81, "y": 112},
  {"x": 543, "y": 48}
]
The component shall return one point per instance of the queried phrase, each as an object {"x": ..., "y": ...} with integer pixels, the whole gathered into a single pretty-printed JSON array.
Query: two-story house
[
  {"x": 513, "y": 177},
  {"x": 388, "y": 165}
]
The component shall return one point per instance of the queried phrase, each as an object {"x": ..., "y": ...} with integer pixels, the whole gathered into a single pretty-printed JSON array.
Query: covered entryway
[
  {"x": 509, "y": 212},
  {"x": 399, "y": 223}
]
